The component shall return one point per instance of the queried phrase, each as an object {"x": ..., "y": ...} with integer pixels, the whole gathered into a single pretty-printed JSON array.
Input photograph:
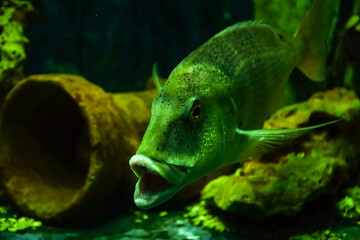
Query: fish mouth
[{"x": 158, "y": 181}]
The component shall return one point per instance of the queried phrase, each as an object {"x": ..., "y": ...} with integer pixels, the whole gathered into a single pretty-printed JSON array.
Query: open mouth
[
  {"x": 152, "y": 184},
  {"x": 156, "y": 184},
  {"x": 149, "y": 182}
]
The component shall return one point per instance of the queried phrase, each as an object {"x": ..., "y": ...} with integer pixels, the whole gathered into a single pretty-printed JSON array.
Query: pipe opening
[{"x": 45, "y": 147}]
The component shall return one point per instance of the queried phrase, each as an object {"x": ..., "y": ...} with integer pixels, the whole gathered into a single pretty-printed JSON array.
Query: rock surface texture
[
  {"x": 280, "y": 183},
  {"x": 14, "y": 16}
]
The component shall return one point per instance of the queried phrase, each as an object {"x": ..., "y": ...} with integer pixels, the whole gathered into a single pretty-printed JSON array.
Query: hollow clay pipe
[{"x": 65, "y": 143}]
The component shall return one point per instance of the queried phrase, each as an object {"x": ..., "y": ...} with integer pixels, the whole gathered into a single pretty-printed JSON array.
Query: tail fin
[{"x": 313, "y": 33}]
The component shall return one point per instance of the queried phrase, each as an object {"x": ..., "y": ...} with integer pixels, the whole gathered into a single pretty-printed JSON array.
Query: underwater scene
[{"x": 180, "y": 120}]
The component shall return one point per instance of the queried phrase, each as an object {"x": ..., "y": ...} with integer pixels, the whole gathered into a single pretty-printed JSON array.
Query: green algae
[
  {"x": 352, "y": 21},
  {"x": 20, "y": 224},
  {"x": 349, "y": 206},
  {"x": 320, "y": 235},
  {"x": 140, "y": 216},
  {"x": 200, "y": 216},
  {"x": 273, "y": 188},
  {"x": 15, "y": 223},
  {"x": 11, "y": 222},
  {"x": 14, "y": 15},
  {"x": 163, "y": 213}
]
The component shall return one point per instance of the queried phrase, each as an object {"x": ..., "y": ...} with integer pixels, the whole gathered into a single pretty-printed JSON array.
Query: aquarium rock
[
  {"x": 14, "y": 16},
  {"x": 321, "y": 235},
  {"x": 280, "y": 183},
  {"x": 349, "y": 206}
]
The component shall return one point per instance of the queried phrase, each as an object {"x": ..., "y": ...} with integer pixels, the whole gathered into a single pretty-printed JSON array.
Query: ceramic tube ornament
[{"x": 65, "y": 144}]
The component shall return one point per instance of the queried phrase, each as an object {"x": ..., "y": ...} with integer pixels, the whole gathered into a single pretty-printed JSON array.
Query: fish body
[{"x": 208, "y": 113}]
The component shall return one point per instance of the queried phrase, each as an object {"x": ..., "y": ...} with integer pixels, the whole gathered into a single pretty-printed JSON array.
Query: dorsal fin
[{"x": 155, "y": 77}]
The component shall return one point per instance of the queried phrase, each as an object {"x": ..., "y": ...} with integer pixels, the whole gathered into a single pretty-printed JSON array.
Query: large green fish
[{"x": 210, "y": 110}]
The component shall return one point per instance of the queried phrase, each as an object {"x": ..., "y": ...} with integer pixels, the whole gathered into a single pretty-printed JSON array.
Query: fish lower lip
[{"x": 157, "y": 181}]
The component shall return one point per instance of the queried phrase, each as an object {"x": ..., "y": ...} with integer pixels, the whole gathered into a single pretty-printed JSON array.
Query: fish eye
[{"x": 195, "y": 110}]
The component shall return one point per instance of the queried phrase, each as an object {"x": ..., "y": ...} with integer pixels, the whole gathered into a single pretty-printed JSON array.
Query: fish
[{"x": 210, "y": 111}]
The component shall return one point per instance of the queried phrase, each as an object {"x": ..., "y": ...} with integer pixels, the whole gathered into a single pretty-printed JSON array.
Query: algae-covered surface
[
  {"x": 282, "y": 182},
  {"x": 14, "y": 16}
]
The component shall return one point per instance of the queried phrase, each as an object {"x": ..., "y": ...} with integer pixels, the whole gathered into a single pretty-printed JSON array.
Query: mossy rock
[
  {"x": 321, "y": 235},
  {"x": 280, "y": 183},
  {"x": 349, "y": 206},
  {"x": 14, "y": 15}
]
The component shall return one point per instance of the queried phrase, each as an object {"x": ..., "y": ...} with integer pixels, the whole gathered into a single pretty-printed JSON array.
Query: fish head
[{"x": 189, "y": 128}]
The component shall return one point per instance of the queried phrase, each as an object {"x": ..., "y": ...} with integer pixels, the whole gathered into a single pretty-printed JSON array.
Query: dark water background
[{"x": 114, "y": 43}]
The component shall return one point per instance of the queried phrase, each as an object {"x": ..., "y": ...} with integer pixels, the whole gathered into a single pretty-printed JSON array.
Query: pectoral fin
[{"x": 265, "y": 140}]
